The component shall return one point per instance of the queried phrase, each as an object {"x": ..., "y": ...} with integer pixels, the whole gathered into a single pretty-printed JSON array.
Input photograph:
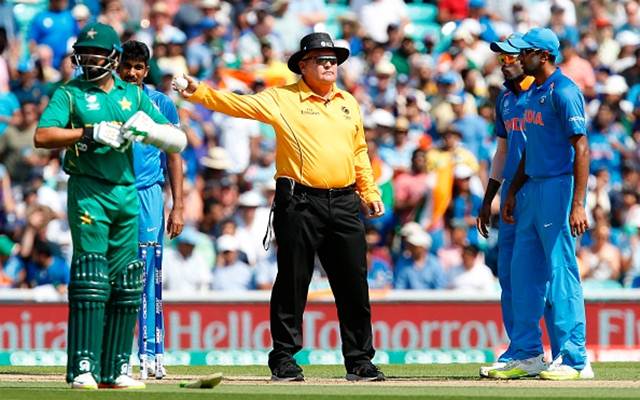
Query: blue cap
[
  {"x": 199, "y": 28},
  {"x": 447, "y": 78},
  {"x": 477, "y": 3},
  {"x": 505, "y": 46},
  {"x": 456, "y": 98},
  {"x": 538, "y": 38},
  {"x": 207, "y": 23},
  {"x": 189, "y": 235},
  {"x": 25, "y": 66}
]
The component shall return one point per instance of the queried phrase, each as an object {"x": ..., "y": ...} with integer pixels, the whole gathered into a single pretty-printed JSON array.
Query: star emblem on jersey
[
  {"x": 86, "y": 218},
  {"x": 92, "y": 33},
  {"x": 125, "y": 104}
]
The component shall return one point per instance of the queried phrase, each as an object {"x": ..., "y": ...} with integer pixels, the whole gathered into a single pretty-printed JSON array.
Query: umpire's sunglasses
[
  {"x": 322, "y": 60},
  {"x": 507, "y": 59}
]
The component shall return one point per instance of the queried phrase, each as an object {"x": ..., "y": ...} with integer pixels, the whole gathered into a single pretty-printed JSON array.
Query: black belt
[{"x": 299, "y": 188}]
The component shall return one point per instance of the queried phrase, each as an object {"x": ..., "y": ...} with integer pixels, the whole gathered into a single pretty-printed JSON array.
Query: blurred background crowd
[{"x": 426, "y": 81}]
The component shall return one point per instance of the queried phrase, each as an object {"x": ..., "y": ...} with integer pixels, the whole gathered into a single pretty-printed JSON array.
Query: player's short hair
[
  {"x": 135, "y": 50},
  {"x": 43, "y": 247}
]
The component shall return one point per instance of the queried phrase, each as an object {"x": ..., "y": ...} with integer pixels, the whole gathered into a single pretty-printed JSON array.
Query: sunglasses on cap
[
  {"x": 322, "y": 60},
  {"x": 507, "y": 59}
]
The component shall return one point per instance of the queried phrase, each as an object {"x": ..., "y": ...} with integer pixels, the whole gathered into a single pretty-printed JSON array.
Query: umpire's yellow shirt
[{"x": 319, "y": 143}]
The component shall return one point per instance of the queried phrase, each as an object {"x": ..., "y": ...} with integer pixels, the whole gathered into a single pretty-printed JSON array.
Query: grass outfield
[{"x": 614, "y": 381}]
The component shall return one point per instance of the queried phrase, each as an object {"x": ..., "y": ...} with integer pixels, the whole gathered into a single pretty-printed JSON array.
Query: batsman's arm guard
[{"x": 141, "y": 128}]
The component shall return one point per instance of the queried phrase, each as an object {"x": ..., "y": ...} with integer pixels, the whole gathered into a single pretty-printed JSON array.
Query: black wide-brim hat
[{"x": 316, "y": 41}]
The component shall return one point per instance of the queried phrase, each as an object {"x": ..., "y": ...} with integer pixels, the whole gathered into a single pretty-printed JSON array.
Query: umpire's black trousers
[{"x": 309, "y": 221}]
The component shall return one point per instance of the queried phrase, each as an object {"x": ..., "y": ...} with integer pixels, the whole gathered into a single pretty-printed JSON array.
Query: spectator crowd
[{"x": 426, "y": 81}]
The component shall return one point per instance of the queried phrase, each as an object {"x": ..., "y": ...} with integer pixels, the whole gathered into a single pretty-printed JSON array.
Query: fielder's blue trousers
[
  {"x": 544, "y": 273},
  {"x": 506, "y": 242}
]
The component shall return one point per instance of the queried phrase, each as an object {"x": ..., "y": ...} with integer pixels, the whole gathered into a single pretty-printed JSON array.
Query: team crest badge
[{"x": 92, "y": 102}]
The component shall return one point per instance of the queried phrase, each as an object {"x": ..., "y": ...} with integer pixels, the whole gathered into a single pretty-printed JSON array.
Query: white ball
[{"x": 180, "y": 83}]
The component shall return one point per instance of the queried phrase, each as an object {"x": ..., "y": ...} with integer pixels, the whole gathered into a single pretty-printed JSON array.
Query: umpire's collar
[{"x": 306, "y": 92}]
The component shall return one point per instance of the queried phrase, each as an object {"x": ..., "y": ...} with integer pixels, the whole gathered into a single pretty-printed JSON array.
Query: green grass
[{"x": 452, "y": 380}]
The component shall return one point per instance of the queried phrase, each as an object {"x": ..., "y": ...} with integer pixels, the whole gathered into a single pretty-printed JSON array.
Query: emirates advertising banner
[{"x": 228, "y": 333}]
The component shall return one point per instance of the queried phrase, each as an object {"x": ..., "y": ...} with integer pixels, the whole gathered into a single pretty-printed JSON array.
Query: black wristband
[
  {"x": 492, "y": 189},
  {"x": 494, "y": 183},
  {"x": 87, "y": 133}
]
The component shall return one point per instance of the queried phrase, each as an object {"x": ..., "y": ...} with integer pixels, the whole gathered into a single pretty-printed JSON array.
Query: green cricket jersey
[{"x": 80, "y": 104}]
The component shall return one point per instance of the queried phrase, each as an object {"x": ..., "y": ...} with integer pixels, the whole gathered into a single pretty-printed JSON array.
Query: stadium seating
[{"x": 422, "y": 12}]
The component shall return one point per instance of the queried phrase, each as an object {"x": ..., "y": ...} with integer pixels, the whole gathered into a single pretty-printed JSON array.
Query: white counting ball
[{"x": 180, "y": 82}]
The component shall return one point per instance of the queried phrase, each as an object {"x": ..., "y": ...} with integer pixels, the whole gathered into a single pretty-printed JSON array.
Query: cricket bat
[{"x": 206, "y": 382}]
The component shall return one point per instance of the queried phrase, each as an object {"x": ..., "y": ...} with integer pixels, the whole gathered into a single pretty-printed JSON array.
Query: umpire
[{"x": 323, "y": 174}]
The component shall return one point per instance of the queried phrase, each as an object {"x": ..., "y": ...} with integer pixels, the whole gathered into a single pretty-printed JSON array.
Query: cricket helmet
[{"x": 97, "y": 51}]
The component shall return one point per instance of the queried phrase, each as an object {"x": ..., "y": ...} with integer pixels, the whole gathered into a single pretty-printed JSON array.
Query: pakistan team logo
[{"x": 92, "y": 102}]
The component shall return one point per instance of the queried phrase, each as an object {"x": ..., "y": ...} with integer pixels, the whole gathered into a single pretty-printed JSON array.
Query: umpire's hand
[
  {"x": 374, "y": 209},
  {"x": 192, "y": 85}
]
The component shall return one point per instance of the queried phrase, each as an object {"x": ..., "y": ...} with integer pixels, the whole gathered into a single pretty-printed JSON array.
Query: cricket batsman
[{"x": 96, "y": 117}]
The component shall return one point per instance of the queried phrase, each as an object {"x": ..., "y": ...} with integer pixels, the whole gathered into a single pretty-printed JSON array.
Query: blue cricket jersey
[
  {"x": 554, "y": 112},
  {"x": 149, "y": 162},
  {"x": 509, "y": 125}
]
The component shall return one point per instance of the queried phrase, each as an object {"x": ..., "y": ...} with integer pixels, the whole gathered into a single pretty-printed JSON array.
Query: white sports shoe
[
  {"x": 520, "y": 368},
  {"x": 485, "y": 369},
  {"x": 124, "y": 382},
  {"x": 587, "y": 371},
  {"x": 561, "y": 372},
  {"x": 84, "y": 381}
]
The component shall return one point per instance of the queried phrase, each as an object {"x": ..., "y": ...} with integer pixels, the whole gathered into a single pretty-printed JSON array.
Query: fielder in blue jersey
[
  {"x": 511, "y": 144},
  {"x": 149, "y": 166},
  {"x": 550, "y": 214}
]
